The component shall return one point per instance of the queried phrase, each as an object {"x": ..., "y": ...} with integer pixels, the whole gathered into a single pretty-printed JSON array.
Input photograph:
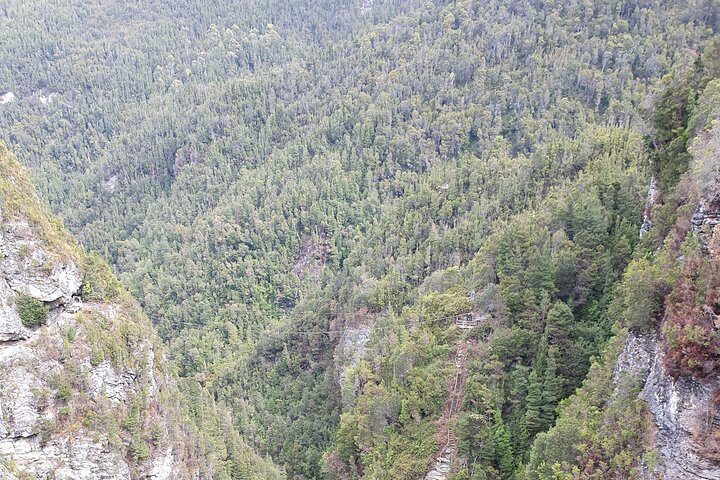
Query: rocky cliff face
[
  {"x": 680, "y": 408},
  {"x": 705, "y": 218},
  {"x": 684, "y": 409},
  {"x": 83, "y": 393}
]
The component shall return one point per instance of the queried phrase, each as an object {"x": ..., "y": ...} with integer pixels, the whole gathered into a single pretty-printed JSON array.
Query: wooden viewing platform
[{"x": 467, "y": 321}]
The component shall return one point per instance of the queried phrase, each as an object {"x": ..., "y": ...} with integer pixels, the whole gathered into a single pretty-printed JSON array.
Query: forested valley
[{"x": 304, "y": 195}]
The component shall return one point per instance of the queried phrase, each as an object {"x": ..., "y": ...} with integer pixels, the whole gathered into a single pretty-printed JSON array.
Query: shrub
[
  {"x": 96, "y": 357},
  {"x": 156, "y": 435},
  {"x": 70, "y": 334},
  {"x": 692, "y": 341},
  {"x": 32, "y": 311},
  {"x": 46, "y": 430},
  {"x": 64, "y": 393},
  {"x": 138, "y": 448}
]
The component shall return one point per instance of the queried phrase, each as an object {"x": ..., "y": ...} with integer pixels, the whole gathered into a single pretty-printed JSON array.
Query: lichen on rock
[{"x": 81, "y": 386}]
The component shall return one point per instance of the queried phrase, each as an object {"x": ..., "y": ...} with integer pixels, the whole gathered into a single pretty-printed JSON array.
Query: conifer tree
[
  {"x": 559, "y": 325},
  {"x": 551, "y": 390},
  {"x": 533, "y": 422},
  {"x": 504, "y": 456}
]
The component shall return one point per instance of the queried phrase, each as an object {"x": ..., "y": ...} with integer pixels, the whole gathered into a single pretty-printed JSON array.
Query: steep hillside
[
  {"x": 305, "y": 196},
  {"x": 649, "y": 406},
  {"x": 86, "y": 392}
]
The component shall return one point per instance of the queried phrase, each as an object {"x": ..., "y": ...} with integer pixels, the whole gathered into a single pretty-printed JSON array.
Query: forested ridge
[{"x": 257, "y": 170}]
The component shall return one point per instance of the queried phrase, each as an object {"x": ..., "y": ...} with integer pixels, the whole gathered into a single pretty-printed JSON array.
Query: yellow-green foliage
[
  {"x": 639, "y": 297},
  {"x": 390, "y": 429},
  {"x": 138, "y": 448},
  {"x": 113, "y": 339},
  {"x": 18, "y": 200},
  {"x": 116, "y": 331},
  {"x": 436, "y": 306},
  {"x": 99, "y": 283},
  {"x": 10, "y": 465}
]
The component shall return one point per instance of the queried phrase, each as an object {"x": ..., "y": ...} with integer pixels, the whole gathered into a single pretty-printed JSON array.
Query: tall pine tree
[
  {"x": 534, "y": 399},
  {"x": 551, "y": 390}
]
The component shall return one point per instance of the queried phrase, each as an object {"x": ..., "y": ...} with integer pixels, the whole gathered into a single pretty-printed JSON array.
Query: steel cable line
[{"x": 331, "y": 332}]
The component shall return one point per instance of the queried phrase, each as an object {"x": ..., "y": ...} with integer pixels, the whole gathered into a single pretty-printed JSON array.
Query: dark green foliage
[
  {"x": 670, "y": 118},
  {"x": 559, "y": 325},
  {"x": 46, "y": 430},
  {"x": 677, "y": 116},
  {"x": 505, "y": 458},
  {"x": 254, "y": 169},
  {"x": 138, "y": 448},
  {"x": 600, "y": 431},
  {"x": 32, "y": 311},
  {"x": 156, "y": 435},
  {"x": 551, "y": 391},
  {"x": 96, "y": 357},
  {"x": 534, "y": 400}
]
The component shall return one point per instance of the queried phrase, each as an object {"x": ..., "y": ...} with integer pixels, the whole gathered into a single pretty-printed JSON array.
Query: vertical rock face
[
  {"x": 684, "y": 409},
  {"x": 637, "y": 356},
  {"x": 351, "y": 348},
  {"x": 681, "y": 409},
  {"x": 647, "y": 214},
  {"x": 82, "y": 393},
  {"x": 30, "y": 269},
  {"x": 11, "y": 327},
  {"x": 705, "y": 219},
  {"x": 5, "y": 474}
]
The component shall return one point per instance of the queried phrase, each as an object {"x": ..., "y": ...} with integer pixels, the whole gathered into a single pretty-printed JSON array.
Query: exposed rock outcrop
[
  {"x": 32, "y": 270},
  {"x": 5, "y": 474},
  {"x": 684, "y": 411},
  {"x": 680, "y": 407},
  {"x": 82, "y": 394},
  {"x": 8, "y": 97},
  {"x": 637, "y": 355},
  {"x": 705, "y": 219},
  {"x": 57, "y": 397},
  {"x": 647, "y": 214},
  {"x": 11, "y": 327}
]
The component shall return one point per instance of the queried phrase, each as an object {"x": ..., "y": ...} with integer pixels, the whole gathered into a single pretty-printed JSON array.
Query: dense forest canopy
[{"x": 259, "y": 170}]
